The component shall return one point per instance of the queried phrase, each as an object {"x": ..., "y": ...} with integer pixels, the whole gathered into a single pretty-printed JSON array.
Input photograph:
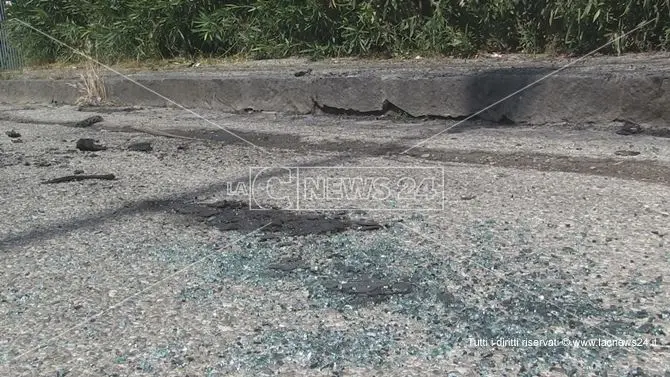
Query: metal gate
[{"x": 10, "y": 58}]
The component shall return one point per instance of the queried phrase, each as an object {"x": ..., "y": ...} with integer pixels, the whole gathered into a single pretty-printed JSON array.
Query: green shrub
[{"x": 141, "y": 29}]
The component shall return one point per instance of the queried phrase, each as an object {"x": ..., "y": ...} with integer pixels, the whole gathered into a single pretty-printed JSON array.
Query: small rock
[
  {"x": 13, "y": 134},
  {"x": 646, "y": 328},
  {"x": 642, "y": 314},
  {"x": 425, "y": 155},
  {"x": 303, "y": 73},
  {"x": 626, "y": 153},
  {"x": 89, "y": 145},
  {"x": 637, "y": 372},
  {"x": 140, "y": 147},
  {"x": 365, "y": 224},
  {"x": 369, "y": 287},
  {"x": 177, "y": 362},
  {"x": 559, "y": 369},
  {"x": 629, "y": 128},
  {"x": 17, "y": 141},
  {"x": 88, "y": 122}
]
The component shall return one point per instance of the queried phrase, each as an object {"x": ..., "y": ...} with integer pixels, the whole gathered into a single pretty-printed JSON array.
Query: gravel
[{"x": 133, "y": 277}]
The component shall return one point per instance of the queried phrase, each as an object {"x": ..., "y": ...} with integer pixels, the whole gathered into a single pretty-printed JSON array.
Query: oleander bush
[{"x": 115, "y": 30}]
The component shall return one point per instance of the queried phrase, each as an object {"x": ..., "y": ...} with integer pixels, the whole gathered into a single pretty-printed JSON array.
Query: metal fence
[{"x": 10, "y": 58}]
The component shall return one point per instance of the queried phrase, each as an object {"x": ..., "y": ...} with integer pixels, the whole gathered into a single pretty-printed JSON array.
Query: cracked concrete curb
[{"x": 575, "y": 95}]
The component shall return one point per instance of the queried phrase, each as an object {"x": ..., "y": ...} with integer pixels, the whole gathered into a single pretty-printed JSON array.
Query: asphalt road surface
[{"x": 270, "y": 244}]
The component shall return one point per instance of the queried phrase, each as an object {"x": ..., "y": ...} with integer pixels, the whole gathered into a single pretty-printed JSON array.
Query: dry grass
[{"x": 92, "y": 86}]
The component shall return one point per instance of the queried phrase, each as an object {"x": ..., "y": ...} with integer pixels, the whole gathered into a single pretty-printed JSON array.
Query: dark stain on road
[
  {"x": 638, "y": 170},
  {"x": 237, "y": 215}
]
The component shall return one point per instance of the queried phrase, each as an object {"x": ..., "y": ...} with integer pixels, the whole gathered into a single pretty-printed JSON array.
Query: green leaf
[{"x": 595, "y": 16}]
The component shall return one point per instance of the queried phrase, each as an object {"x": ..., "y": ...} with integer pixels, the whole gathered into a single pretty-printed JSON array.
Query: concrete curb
[{"x": 574, "y": 95}]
